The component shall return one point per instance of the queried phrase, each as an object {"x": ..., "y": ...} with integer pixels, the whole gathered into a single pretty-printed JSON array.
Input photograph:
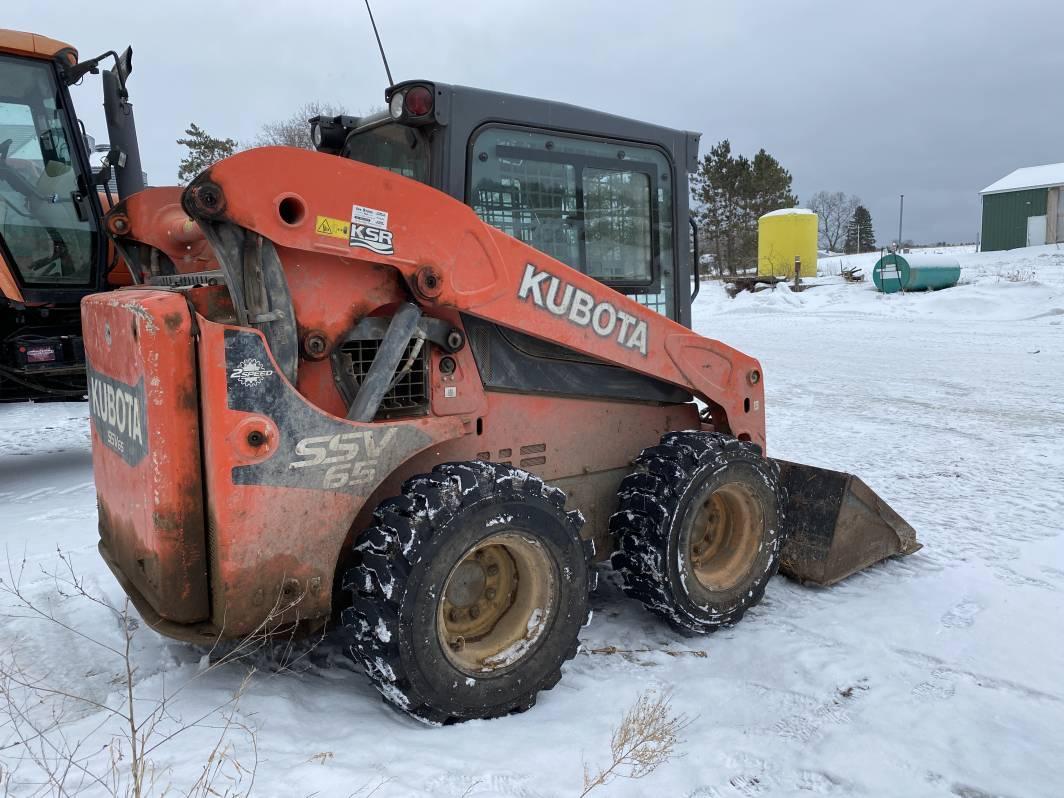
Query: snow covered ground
[{"x": 939, "y": 674}]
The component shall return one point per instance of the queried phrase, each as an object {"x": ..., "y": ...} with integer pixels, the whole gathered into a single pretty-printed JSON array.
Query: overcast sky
[{"x": 928, "y": 98}]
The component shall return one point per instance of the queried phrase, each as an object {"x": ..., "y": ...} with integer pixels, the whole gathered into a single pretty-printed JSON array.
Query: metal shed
[{"x": 1024, "y": 208}]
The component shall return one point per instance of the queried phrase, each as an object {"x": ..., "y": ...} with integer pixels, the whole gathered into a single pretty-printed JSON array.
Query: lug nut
[
  {"x": 493, "y": 569},
  {"x": 489, "y": 593},
  {"x": 474, "y": 612},
  {"x": 452, "y": 615}
]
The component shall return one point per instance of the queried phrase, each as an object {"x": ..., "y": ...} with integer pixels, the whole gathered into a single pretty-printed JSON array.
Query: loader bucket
[{"x": 836, "y": 525}]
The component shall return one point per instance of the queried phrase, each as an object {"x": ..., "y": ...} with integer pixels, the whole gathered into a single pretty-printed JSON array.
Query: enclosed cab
[
  {"x": 53, "y": 250},
  {"x": 603, "y": 194}
]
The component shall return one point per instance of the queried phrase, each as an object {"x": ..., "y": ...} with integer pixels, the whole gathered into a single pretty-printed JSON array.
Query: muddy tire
[
  {"x": 699, "y": 529},
  {"x": 469, "y": 593}
]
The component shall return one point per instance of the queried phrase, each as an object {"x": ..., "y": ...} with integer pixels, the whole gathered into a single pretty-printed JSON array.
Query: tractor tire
[
  {"x": 469, "y": 593},
  {"x": 699, "y": 529}
]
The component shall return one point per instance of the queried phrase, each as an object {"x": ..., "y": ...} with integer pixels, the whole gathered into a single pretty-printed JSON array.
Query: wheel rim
[
  {"x": 724, "y": 536},
  {"x": 497, "y": 603}
]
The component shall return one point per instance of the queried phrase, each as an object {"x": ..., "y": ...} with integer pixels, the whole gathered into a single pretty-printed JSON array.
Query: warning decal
[{"x": 334, "y": 228}]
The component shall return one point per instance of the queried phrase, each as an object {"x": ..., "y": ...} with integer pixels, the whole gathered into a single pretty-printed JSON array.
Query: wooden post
[{"x": 797, "y": 272}]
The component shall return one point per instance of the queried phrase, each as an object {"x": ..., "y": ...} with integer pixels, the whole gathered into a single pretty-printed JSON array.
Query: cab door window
[
  {"x": 44, "y": 222},
  {"x": 601, "y": 207}
]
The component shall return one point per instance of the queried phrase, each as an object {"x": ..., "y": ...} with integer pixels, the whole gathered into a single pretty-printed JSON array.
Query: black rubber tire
[
  {"x": 653, "y": 504},
  {"x": 405, "y": 560}
]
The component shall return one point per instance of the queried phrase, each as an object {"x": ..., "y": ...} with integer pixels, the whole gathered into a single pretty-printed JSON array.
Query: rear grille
[{"x": 409, "y": 396}]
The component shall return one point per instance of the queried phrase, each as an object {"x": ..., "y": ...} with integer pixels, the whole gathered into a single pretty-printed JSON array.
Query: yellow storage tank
[{"x": 783, "y": 235}]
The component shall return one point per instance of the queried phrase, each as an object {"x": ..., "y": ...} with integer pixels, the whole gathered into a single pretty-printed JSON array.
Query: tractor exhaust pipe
[{"x": 836, "y": 525}]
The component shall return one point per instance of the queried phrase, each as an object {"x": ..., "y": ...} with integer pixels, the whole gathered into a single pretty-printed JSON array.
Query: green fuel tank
[{"x": 917, "y": 272}]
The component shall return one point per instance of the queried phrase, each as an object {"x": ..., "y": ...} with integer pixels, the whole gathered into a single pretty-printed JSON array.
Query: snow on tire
[
  {"x": 699, "y": 529},
  {"x": 469, "y": 592}
]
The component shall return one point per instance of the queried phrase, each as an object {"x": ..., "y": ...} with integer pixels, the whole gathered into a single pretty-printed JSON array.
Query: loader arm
[{"x": 450, "y": 259}]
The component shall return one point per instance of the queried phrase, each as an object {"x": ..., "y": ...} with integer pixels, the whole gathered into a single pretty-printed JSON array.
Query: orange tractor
[
  {"x": 424, "y": 380},
  {"x": 53, "y": 251}
]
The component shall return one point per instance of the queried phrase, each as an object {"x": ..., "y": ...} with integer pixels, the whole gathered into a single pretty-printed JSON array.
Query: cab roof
[{"x": 33, "y": 45}]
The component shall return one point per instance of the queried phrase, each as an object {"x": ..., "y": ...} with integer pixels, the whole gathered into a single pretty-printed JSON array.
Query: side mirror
[{"x": 124, "y": 65}]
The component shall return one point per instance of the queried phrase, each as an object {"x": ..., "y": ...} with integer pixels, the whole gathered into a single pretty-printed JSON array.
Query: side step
[{"x": 836, "y": 525}]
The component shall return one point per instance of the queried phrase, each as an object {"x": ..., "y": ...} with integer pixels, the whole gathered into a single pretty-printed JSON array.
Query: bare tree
[
  {"x": 294, "y": 131},
  {"x": 835, "y": 209}
]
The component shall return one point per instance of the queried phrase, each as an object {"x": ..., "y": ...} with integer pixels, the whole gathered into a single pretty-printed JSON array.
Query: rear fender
[{"x": 284, "y": 481}]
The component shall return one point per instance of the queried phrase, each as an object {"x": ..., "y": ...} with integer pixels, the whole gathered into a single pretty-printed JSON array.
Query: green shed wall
[{"x": 1005, "y": 217}]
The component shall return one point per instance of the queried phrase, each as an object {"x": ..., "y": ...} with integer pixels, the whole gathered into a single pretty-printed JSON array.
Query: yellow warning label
[{"x": 336, "y": 228}]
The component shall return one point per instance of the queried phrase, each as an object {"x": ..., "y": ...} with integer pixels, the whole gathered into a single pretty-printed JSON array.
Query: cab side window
[{"x": 603, "y": 208}]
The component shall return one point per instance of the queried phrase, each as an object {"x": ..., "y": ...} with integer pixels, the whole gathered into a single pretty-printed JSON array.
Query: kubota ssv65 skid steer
[{"x": 347, "y": 391}]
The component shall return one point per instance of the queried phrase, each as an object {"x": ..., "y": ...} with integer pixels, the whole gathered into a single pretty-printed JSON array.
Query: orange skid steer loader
[{"x": 426, "y": 378}]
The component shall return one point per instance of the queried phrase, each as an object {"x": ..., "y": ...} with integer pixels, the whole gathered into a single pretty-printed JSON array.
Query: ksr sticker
[{"x": 369, "y": 230}]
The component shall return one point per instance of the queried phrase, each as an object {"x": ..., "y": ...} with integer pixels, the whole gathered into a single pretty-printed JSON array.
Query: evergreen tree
[
  {"x": 203, "y": 150},
  {"x": 718, "y": 187},
  {"x": 860, "y": 237},
  {"x": 770, "y": 186},
  {"x": 732, "y": 192}
]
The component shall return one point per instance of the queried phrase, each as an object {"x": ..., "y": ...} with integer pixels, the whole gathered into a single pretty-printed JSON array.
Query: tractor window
[
  {"x": 538, "y": 206},
  {"x": 397, "y": 148},
  {"x": 604, "y": 208},
  {"x": 617, "y": 225},
  {"x": 40, "y": 201}
]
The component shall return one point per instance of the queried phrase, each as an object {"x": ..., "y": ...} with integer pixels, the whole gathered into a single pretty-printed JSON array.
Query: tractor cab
[
  {"x": 605, "y": 195},
  {"x": 53, "y": 250}
]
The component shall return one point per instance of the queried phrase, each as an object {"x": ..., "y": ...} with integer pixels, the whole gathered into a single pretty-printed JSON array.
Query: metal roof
[{"x": 1045, "y": 176}]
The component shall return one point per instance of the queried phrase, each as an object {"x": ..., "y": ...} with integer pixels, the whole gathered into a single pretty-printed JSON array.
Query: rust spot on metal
[{"x": 172, "y": 321}]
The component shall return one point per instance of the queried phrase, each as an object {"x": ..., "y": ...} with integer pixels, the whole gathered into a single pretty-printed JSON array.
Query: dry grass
[
  {"x": 49, "y": 754},
  {"x": 647, "y": 738},
  {"x": 1019, "y": 275}
]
